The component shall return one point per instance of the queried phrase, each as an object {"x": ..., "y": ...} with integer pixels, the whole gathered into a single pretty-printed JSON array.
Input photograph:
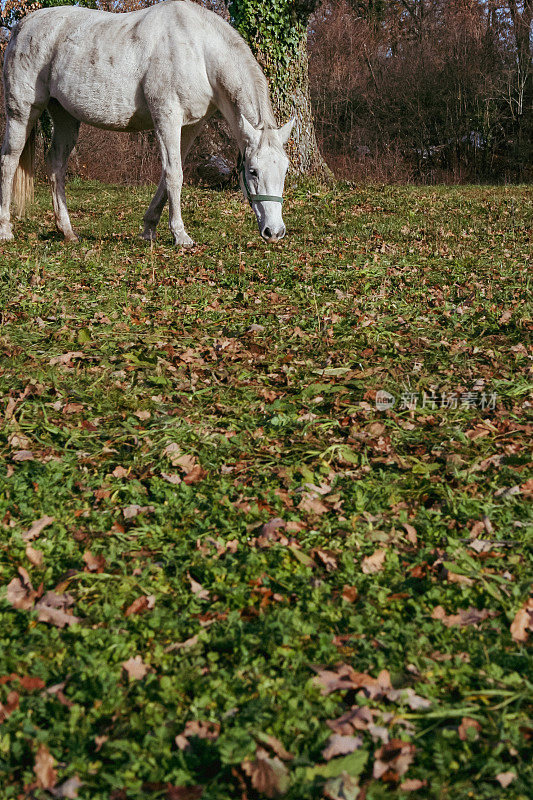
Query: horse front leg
[
  {"x": 155, "y": 209},
  {"x": 168, "y": 132}
]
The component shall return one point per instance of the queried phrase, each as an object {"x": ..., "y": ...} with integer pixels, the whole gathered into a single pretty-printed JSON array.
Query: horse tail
[{"x": 23, "y": 180}]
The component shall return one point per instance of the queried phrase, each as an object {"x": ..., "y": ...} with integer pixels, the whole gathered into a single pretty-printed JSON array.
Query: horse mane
[{"x": 248, "y": 92}]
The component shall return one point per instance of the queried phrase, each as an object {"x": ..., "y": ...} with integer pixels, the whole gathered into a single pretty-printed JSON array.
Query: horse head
[{"x": 263, "y": 166}]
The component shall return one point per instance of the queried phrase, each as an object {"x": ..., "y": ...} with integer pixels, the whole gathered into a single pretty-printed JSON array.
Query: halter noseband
[{"x": 255, "y": 198}]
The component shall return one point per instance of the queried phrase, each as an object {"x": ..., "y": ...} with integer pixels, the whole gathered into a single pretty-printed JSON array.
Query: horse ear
[
  {"x": 286, "y": 130},
  {"x": 249, "y": 132}
]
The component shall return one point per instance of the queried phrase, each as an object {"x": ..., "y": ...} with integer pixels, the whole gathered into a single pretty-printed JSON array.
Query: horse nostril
[{"x": 267, "y": 233}]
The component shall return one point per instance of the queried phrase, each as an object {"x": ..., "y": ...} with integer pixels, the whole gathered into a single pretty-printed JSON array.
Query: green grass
[{"x": 418, "y": 290}]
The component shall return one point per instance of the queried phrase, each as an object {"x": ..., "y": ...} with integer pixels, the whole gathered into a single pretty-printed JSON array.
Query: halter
[{"x": 255, "y": 198}]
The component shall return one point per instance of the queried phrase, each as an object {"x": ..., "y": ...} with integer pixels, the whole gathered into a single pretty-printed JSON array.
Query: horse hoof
[
  {"x": 184, "y": 241},
  {"x": 148, "y": 236},
  {"x": 71, "y": 237},
  {"x": 6, "y": 235}
]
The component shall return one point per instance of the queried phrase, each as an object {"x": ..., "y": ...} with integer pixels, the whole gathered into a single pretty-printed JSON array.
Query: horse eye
[{"x": 253, "y": 173}]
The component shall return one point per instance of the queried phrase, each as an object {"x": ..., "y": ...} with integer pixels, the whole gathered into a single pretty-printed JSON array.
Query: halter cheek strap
[{"x": 255, "y": 198}]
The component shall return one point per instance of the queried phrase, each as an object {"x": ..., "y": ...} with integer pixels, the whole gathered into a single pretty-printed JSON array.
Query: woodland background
[{"x": 410, "y": 91}]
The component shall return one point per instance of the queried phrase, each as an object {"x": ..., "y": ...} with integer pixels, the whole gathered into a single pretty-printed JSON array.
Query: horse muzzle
[{"x": 273, "y": 235}]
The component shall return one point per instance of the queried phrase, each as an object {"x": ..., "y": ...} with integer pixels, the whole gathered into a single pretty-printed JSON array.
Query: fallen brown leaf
[
  {"x": 505, "y": 779},
  {"x": 275, "y": 745},
  {"x": 374, "y": 563},
  {"x": 412, "y": 535},
  {"x": 20, "y": 592},
  {"x": 7, "y": 708},
  {"x": 34, "y": 556},
  {"x": 198, "y": 589},
  {"x": 140, "y": 605},
  {"x": 412, "y": 785},
  {"x": 68, "y": 789},
  {"x": 53, "y": 608},
  {"x": 44, "y": 768},
  {"x": 93, "y": 563},
  {"x": 36, "y": 528},
  {"x": 468, "y": 724},
  {"x": 522, "y": 623},
  {"x": 120, "y": 472},
  {"x": 340, "y": 745},
  {"x": 312, "y": 504},
  {"x": 183, "y": 792},
  {"x": 392, "y": 760},
  {"x": 202, "y": 729},
  {"x": 465, "y": 616},
  {"x": 135, "y": 668},
  {"x": 349, "y": 593},
  {"x": 268, "y": 775},
  {"x": 357, "y": 718},
  {"x": 23, "y": 455}
]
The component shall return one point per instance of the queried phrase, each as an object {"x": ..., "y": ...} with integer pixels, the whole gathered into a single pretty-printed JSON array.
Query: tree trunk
[{"x": 277, "y": 34}]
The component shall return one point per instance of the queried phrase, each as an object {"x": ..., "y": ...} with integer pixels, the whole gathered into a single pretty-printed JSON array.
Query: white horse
[{"x": 167, "y": 68}]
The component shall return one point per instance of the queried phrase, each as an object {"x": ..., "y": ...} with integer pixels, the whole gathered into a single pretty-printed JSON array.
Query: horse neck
[{"x": 245, "y": 95}]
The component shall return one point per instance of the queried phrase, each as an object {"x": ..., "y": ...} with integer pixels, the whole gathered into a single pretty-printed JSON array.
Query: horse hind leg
[
  {"x": 65, "y": 135},
  {"x": 16, "y": 136}
]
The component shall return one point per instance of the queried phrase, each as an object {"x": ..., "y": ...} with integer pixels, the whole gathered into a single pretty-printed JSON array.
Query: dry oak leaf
[
  {"x": 340, "y": 745},
  {"x": 465, "y": 616},
  {"x": 135, "y": 668},
  {"x": 36, "y": 528},
  {"x": 393, "y": 760},
  {"x": 268, "y": 775},
  {"x": 20, "y": 592},
  {"x": 522, "y": 624},
  {"x": 505, "y": 779},
  {"x": 466, "y": 724},
  {"x": 53, "y": 608},
  {"x": 374, "y": 563},
  {"x": 44, "y": 768}
]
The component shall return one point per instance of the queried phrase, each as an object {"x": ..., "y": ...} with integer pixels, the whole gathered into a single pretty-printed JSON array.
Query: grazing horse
[{"x": 168, "y": 67}]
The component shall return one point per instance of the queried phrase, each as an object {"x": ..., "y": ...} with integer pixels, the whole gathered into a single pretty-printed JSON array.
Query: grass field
[{"x": 230, "y": 575}]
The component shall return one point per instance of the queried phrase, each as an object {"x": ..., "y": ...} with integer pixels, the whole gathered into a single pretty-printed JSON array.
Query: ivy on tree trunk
[{"x": 277, "y": 33}]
